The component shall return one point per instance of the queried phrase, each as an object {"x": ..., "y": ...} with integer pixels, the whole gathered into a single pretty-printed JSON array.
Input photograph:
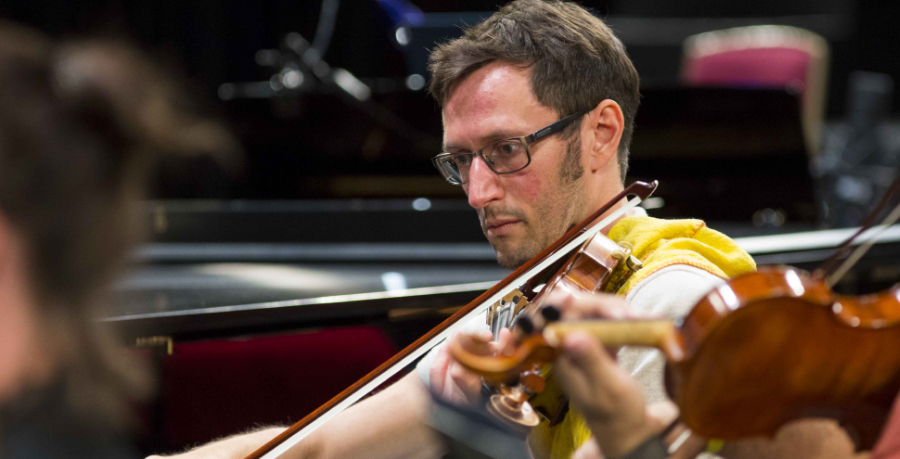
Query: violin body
[
  {"x": 598, "y": 266},
  {"x": 778, "y": 345}
]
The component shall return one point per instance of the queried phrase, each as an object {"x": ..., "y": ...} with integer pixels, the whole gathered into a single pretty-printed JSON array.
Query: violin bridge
[{"x": 502, "y": 313}]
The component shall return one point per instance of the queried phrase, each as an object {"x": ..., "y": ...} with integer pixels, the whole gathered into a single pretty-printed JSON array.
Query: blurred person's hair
[
  {"x": 80, "y": 125},
  {"x": 575, "y": 59}
]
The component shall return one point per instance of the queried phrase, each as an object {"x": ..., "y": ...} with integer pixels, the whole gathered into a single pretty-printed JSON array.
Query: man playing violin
[{"x": 538, "y": 105}]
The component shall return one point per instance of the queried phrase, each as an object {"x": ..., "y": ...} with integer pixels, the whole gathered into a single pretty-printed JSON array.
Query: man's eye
[
  {"x": 508, "y": 149},
  {"x": 463, "y": 160}
]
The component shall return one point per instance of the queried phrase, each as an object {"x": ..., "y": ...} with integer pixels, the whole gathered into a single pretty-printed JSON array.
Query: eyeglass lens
[{"x": 502, "y": 157}]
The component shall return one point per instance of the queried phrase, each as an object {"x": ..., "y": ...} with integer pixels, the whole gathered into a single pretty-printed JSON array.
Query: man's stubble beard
[{"x": 555, "y": 213}]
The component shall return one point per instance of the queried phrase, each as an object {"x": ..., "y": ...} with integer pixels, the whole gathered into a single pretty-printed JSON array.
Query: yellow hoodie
[{"x": 658, "y": 244}]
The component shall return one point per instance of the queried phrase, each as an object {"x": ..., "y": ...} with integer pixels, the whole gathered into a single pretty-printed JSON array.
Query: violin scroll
[{"x": 474, "y": 354}]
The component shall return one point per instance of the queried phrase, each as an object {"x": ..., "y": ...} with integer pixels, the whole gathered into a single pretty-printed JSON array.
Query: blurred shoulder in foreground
[{"x": 81, "y": 124}]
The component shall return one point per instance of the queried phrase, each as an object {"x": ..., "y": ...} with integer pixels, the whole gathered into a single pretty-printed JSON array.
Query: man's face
[{"x": 523, "y": 212}]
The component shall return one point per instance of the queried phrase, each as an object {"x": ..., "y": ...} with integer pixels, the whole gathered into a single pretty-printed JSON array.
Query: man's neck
[
  {"x": 603, "y": 190},
  {"x": 600, "y": 188},
  {"x": 622, "y": 202}
]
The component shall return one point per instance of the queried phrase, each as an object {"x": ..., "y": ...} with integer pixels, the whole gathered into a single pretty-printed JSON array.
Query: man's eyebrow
[
  {"x": 492, "y": 137},
  {"x": 448, "y": 147}
]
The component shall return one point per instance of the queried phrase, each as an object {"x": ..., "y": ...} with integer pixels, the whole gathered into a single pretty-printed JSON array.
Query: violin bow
[
  {"x": 857, "y": 254},
  {"x": 575, "y": 237},
  {"x": 832, "y": 275}
]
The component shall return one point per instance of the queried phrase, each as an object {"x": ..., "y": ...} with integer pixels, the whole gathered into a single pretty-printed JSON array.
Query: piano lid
[{"x": 201, "y": 299}]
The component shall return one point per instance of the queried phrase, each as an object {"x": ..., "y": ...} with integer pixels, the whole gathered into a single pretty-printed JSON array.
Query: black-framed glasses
[{"x": 503, "y": 156}]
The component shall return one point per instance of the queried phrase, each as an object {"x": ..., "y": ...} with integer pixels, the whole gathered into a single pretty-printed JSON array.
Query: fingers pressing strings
[{"x": 577, "y": 306}]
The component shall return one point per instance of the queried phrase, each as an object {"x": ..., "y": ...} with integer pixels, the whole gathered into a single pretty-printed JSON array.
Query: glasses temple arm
[{"x": 554, "y": 128}]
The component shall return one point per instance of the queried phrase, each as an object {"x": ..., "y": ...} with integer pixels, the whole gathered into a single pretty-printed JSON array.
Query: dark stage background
[
  {"x": 311, "y": 144},
  {"x": 336, "y": 243}
]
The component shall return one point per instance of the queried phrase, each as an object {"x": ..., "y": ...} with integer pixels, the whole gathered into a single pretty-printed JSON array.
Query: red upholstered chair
[
  {"x": 211, "y": 389},
  {"x": 763, "y": 57}
]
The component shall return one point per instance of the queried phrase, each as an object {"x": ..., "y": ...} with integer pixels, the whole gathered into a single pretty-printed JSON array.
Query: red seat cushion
[
  {"x": 752, "y": 67},
  {"x": 216, "y": 388}
]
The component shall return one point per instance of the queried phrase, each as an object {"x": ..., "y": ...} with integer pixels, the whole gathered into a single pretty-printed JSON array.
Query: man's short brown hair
[{"x": 576, "y": 60}]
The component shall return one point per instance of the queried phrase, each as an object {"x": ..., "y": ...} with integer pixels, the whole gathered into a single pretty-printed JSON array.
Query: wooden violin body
[{"x": 777, "y": 345}]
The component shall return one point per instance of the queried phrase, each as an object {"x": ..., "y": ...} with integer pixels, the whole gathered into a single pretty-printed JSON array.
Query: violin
[
  {"x": 757, "y": 352},
  {"x": 597, "y": 262}
]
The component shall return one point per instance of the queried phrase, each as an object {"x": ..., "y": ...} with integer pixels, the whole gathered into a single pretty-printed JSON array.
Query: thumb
[
  {"x": 505, "y": 342},
  {"x": 438, "y": 371}
]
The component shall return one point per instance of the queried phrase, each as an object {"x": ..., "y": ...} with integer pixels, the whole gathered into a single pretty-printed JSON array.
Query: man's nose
[{"x": 483, "y": 185}]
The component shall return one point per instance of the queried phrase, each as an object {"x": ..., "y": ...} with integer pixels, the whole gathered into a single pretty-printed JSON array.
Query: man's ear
[{"x": 604, "y": 127}]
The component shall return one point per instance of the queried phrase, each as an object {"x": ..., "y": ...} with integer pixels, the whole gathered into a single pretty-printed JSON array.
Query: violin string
[
  {"x": 863, "y": 248},
  {"x": 683, "y": 437}
]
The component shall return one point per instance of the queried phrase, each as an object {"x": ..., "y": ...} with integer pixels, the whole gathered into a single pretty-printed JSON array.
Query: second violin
[{"x": 755, "y": 353}]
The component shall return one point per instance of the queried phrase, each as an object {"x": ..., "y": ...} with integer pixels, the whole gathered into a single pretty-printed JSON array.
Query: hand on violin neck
[
  {"x": 585, "y": 306},
  {"x": 581, "y": 306},
  {"x": 610, "y": 401},
  {"x": 452, "y": 382}
]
